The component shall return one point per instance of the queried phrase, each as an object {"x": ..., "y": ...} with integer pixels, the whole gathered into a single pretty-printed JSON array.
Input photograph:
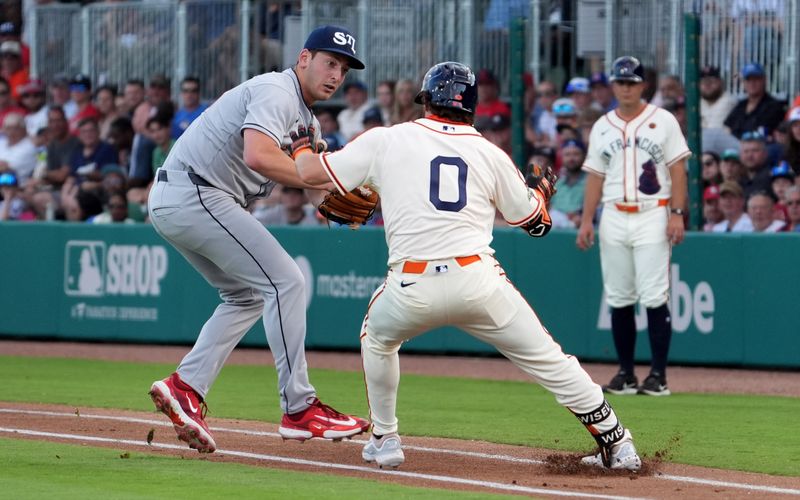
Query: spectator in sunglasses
[
  {"x": 711, "y": 169},
  {"x": 191, "y": 107}
]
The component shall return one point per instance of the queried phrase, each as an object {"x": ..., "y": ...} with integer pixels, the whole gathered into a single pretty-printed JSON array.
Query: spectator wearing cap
[
  {"x": 351, "y": 118},
  {"x": 329, "y": 129},
  {"x": 783, "y": 178},
  {"x": 670, "y": 88},
  {"x": 758, "y": 110},
  {"x": 60, "y": 95},
  {"x": 793, "y": 208},
  {"x": 712, "y": 215},
  {"x": 372, "y": 118},
  {"x": 496, "y": 129},
  {"x": 80, "y": 90},
  {"x": 601, "y": 92},
  {"x": 12, "y": 202},
  {"x": 571, "y": 182},
  {"x": 753, "y": 155},
  {"x": 730, "y": 167},
  {"x": 405, "y": 109},
  {"x": 543, "y": 156},
  {"x": 32, "y": 98},
  {"x": 191, "y": 107},
  {"x": 710, "y": 168},
  {"x": 731, "y": 203},
  {"x": 565, "y": 112},
  {"x": 17, "y": 151},
  {"x": 792, "y": 152},
  {"x": 761, "y": 210},
  {"x": 579, "y": 90},
  {"x": 7, "y": 104},
  {"x": 11, "y": 67},
  {"x": 489, "y": 103},
  {"x": 89, "y": 159},
  {"x": 10, "y": 32},
  {"x": 716, "y": 103},
  {"x": 116, "y": 211}
]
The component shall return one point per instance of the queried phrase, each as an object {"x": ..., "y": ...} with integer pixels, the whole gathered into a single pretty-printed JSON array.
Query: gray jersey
[{"x": 213, "y": 145}]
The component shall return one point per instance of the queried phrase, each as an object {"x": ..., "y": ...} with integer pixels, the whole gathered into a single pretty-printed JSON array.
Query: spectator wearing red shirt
[
  {"x": 11, "y": 66},
  {"x": 489, "y": 103},
  {"x": 80, "y": 89}
]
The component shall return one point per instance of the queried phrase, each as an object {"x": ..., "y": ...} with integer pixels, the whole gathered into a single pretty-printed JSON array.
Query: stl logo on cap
[{"x": 345, "y": 39}]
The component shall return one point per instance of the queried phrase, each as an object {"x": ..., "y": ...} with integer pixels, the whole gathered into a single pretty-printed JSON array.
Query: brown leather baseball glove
[{"x": 353, "y": 208}]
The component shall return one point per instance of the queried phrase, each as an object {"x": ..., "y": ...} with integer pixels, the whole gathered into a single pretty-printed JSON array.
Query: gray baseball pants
[{"x": 253, "y": 273}]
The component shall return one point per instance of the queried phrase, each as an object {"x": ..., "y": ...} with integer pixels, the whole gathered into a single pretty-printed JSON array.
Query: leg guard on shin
[{"x": 605, "y": 438}]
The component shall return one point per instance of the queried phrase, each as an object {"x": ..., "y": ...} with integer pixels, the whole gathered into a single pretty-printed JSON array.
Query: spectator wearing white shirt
[
  {"x": 32, "y": 97},
  {"x": 731, "y": 202},
  {"x": 761, "y": 209},
  {"x": 716, "y": 103},
  {"x": 17, "y": 151},
  {"x": 351, "y": 118}
]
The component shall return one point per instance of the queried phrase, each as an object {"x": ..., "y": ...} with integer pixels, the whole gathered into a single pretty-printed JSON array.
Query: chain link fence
[{"x": 225, "y": 41}]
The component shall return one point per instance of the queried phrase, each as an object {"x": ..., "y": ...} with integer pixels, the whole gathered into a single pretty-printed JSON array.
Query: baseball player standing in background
[
  {"x": 439, "y": 199},
  {"x": 637, "y": 161},
  {"x": 232, "y": 154}
]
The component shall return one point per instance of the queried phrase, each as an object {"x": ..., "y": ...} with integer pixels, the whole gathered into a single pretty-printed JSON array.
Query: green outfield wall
[{"x": 735, "y": 298}]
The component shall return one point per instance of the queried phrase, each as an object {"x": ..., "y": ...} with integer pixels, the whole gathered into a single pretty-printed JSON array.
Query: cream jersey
[
  {"x": 635, "y": 156},
  {"x": 439, "y": 184}
]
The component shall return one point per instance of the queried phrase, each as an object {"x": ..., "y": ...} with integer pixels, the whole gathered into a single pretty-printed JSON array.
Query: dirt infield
[{"x": 442, "y": 463}]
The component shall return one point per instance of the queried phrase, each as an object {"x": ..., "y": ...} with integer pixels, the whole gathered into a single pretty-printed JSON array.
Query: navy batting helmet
[
  {"x": 627, "y": 69},
  {"x": 449, "y": 85}
]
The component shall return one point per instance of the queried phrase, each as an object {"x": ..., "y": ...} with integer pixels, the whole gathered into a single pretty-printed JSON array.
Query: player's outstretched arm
[
  {"x": 263, "y": 155},
  {"x": 310, "y": 170},
  {"x": 591, "y": 198}
]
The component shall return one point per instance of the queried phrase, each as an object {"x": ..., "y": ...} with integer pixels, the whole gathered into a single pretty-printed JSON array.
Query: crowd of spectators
[{"x": 71, "y": 150}]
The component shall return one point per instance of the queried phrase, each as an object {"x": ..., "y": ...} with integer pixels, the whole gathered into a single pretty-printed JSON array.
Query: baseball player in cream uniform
[
  {"x": 637, "y": 166},
  {"x": 232, "y": 154},
  {"x": 440, "y": 182}
]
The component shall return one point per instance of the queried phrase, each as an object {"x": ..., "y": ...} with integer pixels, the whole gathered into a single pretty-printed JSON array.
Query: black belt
[{"x": 196, "y": 179}]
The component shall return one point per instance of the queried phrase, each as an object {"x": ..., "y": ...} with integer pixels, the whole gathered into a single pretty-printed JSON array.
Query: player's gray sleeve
[{"x": 270, "y": 110}]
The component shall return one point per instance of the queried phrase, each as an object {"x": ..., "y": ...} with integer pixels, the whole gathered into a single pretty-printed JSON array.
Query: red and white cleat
[
  {"x": 187, "y": 411},
  {"x": 321, "y": 421}
]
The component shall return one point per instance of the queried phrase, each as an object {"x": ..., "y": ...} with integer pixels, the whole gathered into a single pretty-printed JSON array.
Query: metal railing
[{"x": 225, "y": 41}]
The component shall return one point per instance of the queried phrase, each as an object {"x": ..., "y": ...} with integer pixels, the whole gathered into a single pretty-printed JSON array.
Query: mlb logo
[{"x": 85, "y": 268}]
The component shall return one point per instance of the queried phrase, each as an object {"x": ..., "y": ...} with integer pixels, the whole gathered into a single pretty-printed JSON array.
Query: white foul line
[
  {"x": 327, "y": 465},
  {"x": 505, "y": 458}
]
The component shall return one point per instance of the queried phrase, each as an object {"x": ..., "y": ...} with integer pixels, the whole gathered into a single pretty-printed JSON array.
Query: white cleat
[
  {"x": 623, "y": 456},
  {"x": 386, "y": 451}
]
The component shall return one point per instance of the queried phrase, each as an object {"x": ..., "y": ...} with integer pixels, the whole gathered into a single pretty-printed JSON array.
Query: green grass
[
  {"x": 33, "y": 469},
  {"x": 750, "y": 433}
]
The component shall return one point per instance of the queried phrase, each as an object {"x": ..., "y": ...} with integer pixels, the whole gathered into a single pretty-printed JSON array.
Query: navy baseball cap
[{"x": 337, "y": 40}]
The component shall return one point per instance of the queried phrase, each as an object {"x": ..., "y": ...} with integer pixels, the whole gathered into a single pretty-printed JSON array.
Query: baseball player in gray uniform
[
  {"x": 232, "y": 154},
  {"x": 637, "y": 166}
]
